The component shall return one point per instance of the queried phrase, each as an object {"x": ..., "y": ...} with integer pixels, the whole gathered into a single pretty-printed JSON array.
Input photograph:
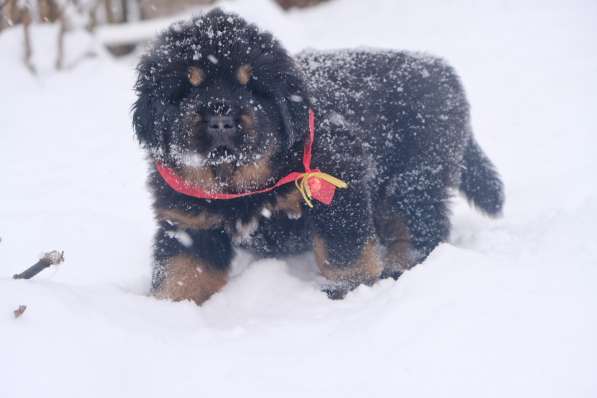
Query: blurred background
[{"x": 116, "y": 19}]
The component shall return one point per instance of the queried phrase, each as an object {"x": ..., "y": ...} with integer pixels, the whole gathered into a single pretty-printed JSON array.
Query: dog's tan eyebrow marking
[
  {"x": 247, "y": 119},
  {"x": 244, "y": 74},
  {"x": 196, "y": 75}
]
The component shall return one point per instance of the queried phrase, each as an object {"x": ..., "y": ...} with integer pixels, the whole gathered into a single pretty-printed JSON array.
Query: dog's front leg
[
  {"x": 344, "y": 243},
  {"x": 190, "y": 264}
]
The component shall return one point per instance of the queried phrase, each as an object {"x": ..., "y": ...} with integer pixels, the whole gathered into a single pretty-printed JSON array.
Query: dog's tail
[{"x": 480, "y": 182}]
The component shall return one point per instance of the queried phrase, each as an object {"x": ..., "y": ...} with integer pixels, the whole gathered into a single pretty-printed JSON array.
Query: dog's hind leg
[
  {"x": 413, "y": 217},
  {"x": 394, "y": 237}
]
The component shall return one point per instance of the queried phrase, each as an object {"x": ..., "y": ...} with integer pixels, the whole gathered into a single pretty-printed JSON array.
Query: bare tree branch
[
  {"x": 8, "y": 13},
  {"x": 48, "y": 259},
  {"x": 26, "y": 20},
  {"x": 19, "y": 311},
  {"x": 64, "y": 28},
  {"x": 60, "y": 44},
  {"x": 48, "y": 10},
  {"x": 93, "y": 16},
  {"x": 109, "y": 8}
]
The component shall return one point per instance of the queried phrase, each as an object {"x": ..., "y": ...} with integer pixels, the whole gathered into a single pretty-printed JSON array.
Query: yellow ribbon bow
[{"x": 302, "y": 184}]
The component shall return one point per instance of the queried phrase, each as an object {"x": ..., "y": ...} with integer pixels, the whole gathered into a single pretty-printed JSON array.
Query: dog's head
[{"x": 218, "y": 99}]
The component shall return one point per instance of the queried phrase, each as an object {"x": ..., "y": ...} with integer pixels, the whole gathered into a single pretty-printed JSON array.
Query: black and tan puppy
[{"x": 223, "y": 109}]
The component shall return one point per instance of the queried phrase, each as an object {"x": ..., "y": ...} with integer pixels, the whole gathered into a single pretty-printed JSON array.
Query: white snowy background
[{"x": 506, "y": 308}]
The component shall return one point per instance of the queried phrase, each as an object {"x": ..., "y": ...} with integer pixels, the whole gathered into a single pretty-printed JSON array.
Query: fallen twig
[
  {"x": 48, "y": 259},
  {"x": 19, "y": 311}
]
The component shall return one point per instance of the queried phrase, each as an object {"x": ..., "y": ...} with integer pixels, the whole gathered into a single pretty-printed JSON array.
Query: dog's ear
[
  {"x": 292, "y": 97},
  {"x": 145, "y": 109},
  {"x": 143, "y": 120}
]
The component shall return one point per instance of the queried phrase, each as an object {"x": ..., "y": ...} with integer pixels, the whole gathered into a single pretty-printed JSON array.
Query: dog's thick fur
[{"x": 394, "y": 125}]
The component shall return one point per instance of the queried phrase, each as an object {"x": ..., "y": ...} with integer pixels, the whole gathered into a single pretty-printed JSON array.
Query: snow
[
  {"x": 506, "y": 308},
  {"x": 212, "y": 58}
]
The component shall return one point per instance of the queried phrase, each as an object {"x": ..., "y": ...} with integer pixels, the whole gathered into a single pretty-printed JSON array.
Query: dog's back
[{"x": 403, "y": 105}]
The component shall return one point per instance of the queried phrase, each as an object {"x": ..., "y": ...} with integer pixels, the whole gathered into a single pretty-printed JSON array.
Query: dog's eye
[
  {"x": 244, "y": 74},
  {"x": 195, "y": 75}
]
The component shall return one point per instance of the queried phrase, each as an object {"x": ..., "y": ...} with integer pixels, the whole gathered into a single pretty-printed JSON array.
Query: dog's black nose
[
  {"x": 222, "y": 131},
  {"x": 218, "y": 124}
]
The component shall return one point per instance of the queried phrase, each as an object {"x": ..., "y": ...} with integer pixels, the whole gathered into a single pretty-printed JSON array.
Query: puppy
[{"x": 352, "y": 154}]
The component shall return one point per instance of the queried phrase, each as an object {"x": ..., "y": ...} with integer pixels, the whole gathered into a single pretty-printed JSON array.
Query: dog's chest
[
  {"x": 284, "y": 211},
  {"x": 260, "y": 227}
]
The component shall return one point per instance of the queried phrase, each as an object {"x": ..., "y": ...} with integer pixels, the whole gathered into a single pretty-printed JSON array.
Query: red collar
[{"x": 312, "y": 183}]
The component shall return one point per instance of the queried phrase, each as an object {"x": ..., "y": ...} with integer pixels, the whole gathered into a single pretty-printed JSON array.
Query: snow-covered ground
[{"x": 507, "y": 308}]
